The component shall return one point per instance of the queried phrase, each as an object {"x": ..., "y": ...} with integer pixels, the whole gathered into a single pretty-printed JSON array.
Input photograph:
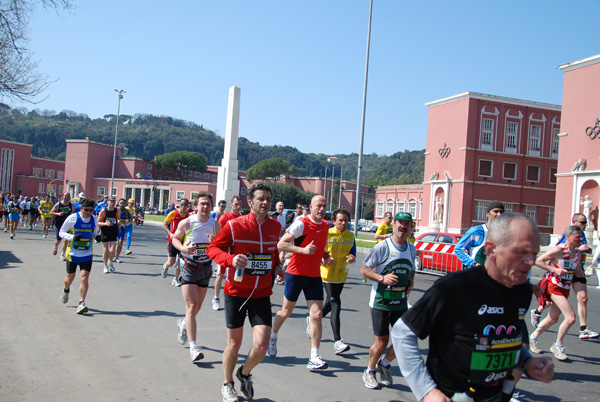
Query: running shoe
[
  {"x": 272, "y": 351},
  {"x": 369, "y": 379},
  {"x": 340, "y": 347},
  {"x": 535, "y": 318},
  {"x": 216, "y": 303},
  {"x": 12, "y": 237},
  {"x": 534, "y": 346},
  {"x": 5, "y": 230},
  {"x": 175, "y": 282},
  {"x": 111, "y": 267},
  {"x": 62, "y": 257},
  {"x": 316, "y": 363},
  {"x": 54, "y": 251},
  {"x": 588, "y": 334},
  {"x": 165, "y": 270},
  {"x": 589, "y": 271},
  {"x": 182, "y": 335},
  {"x": 308, "y": 326},
  {"x": 30, "y": 227},
  {"x": 196, "y": 353},
  {"x": 515, "y": 397},
  {"x": 117, "y": 260},
  {"x": 229, "y": 393},
  {"x": 279, "y": 280},
  {"x": 44, "y": 236},
  {"x": 81, "y": 309},
  {"x": 245, "y": 384},
  {"x": 559, "y": 352},
  {"x": 106, "y": 271},
  {"x": 385, "y": 373},
  {"x": 128, "y": 252},
  {"x": 64, "y": 297}
]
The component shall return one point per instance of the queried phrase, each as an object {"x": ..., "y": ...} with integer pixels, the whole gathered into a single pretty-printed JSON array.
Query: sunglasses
[
  {"x": 88, "y": 209},
  {"x": 583, "y": 222}
]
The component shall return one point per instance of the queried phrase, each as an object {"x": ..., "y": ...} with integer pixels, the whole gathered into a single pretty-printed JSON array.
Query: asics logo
[{"x": 484, "y": 309}]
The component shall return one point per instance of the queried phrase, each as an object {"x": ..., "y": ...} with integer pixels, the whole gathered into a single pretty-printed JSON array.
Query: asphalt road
[{"x": 126, "y": 348}]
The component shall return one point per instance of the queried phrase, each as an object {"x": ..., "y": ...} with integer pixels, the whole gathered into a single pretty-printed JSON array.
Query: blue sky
[{"x": 300, "y": 64}]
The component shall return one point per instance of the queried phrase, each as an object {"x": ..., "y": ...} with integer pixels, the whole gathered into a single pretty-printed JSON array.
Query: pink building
[
  {"x": 318, "y": 185},
  {"x": 400, "y": 198},
  {"x": 28, "y": 175},
  {"x": 482, "y": 148},
  {"x": 578, "y": 178}
]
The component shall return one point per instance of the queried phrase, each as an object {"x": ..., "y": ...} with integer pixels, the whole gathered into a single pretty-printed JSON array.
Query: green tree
[
  {"x": 368, "y": 211},
  {"x": 270, "y": 169},
  {"x": 289, "y": 194},
  {"x": 183, "y": 162}
]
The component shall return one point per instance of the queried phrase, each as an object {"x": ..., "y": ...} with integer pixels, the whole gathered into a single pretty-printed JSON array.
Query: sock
[
  {"x": 67, "y": 290},
  {"x": 536, "y": 312},
  {"x": 369, "y": 370},
  {"x": 583, "y": 328},
  {"x": 192, "y": 344},
  {"x": 533, "y": 336},
  {"x": 81, "y": 302},
  {"x": 384, "y": 362},
  {"x": 558, "y": 343},
  {"x": 314, "y": 352},
  {"x": 273, "y": 335},
  {"x": 182, "y": 324}
]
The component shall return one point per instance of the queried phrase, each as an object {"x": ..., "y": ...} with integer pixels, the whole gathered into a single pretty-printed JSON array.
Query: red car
[{"x": 436, "y": 253}]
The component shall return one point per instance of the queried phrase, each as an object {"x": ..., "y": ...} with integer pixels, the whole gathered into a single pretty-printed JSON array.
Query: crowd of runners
[{"x": 248, "y": 254}]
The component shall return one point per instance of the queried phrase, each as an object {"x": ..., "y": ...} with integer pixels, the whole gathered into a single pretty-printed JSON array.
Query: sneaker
[
  {"x": 5, "y": 230},
  {"x": 515, "y": 397},
  {"x": 106, "y": 269},
  {"x": 30, "y": 227},
  {"x": 559, "y": 352},
  {"x": 535, "y": 318},
  {"x": 340, "y": 347},
  {"x": 279, "y": 280},
  {"x": 587, "y": 334},
  {"x": 182, "y": 335},
  {"x": 589, "y": 271},
  {"x": 111, "y": 267},
  {"x": 308, "y": 326},
  {"x": 370, "y": 380},
  {"x": 117, "y": 260},
  {"x": 81, "y": 309},
  {"x": 196, "y": 353},
  {"x": 62, "y": 257},
  {"x": 44, "y": 236},
  {"x": 128, "y": 252},
  {"x": 216, "y": 303},
  {"x": 316, "y": 363},
  {"x": 385, "y": 373},
  {"x": 175, "y": 282},
  {"x": 245, "y": 384},
  {"x": 272, "y": 351},
  {"x": 12, "y": 237},
  {"x": 165, "y": 270},
  {"x": 64, "y": 297},
  {"x": 229, "y": 393},
  {"x": 54, "y": 251},
  {"x": 534, "y": 346}
]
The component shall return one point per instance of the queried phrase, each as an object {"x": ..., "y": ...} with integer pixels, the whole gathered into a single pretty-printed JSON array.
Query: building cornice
[
  {"x": 47, "y": 159},
  {"x": 580, "y": 63},
  {"x": 504, "y": 153},
  {"x": 493, "y": 98},
  {"x": 17, "y": 143},
  {"x": 493, "y": 184}
]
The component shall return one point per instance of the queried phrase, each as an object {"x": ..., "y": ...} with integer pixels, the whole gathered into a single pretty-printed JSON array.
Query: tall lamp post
[{"x": 112, "y": 176}]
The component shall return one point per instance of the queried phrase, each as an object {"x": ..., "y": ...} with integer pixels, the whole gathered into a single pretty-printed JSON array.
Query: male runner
[
  {"x": 385, "y": 228},
  {"x": 191, "y": 238},
  {"x": 474, "y": 320},
  {"x": 125, "y": 221},
  {"x": 25, "y": 207},
  {"x": 390, "y": 265},
  {"x": 14, "y": 214},
  {"x": 216, "y": 215},
  {"x": 305, "y": 239},
  {"x": 342, "y": 249},
  {"x": 247, "y": 248},
  {"x": 79, "y": 230},
  {"x": 129, "y": 228},
  {"x": 236, "y": 205},
  {"x": 170, "y": 227},
  {"x": 562, "y": 262},
  {"x": 108, "y": 221},
  {"x": 61, "y": 211}
]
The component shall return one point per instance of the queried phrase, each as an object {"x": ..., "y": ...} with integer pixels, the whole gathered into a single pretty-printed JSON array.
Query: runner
[
  {"x": 44, "y": 209},
  {"x": 108, "y": 221},
  {"x": 129, "y": 228},
  {"x": 170, "y": 226},
  {"x": 25, "y": 208},
  {"x": 305, "y": 239},
  {"x": 34, "y": 213},
  {"x": 78, "y": 231},
  {"x": 342, "y": 249},
  {"x": 14, "y": 214},
  {"x": 385, "y": 228},
  {"x": 61, "y": 211},
  {"x": 247, "y": 248},
  {"x": 125, "y": 221},
  {"x": 390, "y": 265},
  {"x": 191, "y": 239}
]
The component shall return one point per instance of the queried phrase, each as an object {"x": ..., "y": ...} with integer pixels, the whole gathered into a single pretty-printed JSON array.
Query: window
[
  {"x": 214, "y": 177},
  {"x": 101, "y": 190},
  {"x": 510, "y": 171},
  {"x": 52, "y": 189},
  {"x": 379, "y": 210},
  {"x": 41, "y": 188},
  {"x": 197, "y": 175},
  {"x": 530, "y": 210},
  {"x": 114, "y": 192},
  {"x": 60, "y": 189},
  {"x": 207, "y": 176},
  {"x": 430, "y": 238},
  {"x": 480, "y": 210},
  {"x": 400, "y": 206},
  {"x": 553, "y": 175},
  {"x": 189, "y": 173},
  {"x": 60, "y": 174},
  {"x": 485, "y": 168},
  {"x": 487, "y": 133},
  {"x": 509, "y": 207},
  {"x": 412, "y": 209},
  {"x": 243, "y": 191},
  {"x": 149, "y": 166},
  {"x": 534, "y": 138},
  {"x": 38, "y": 172},
  {"x": 389, "y": 207},
  {"x": 179, "y": 195},
  {"x": 533, "y": 173},
  {"x": 193, "y": 195},
  {"x": 511, "y": 134},
  {"x": 555, "y": 141},
  {"x": 49, "y": 174},
  {"x": 550, "y": 216}
]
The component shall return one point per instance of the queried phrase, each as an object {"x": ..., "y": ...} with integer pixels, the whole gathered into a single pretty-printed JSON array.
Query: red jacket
[{"x": 241, "y": 236}]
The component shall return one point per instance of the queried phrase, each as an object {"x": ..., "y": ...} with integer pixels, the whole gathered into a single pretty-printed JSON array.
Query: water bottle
[{"x": 239, "y": 274}]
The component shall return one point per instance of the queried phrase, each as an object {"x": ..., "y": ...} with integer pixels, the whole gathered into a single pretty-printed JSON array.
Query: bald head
[{"x": 318, "y": 206}]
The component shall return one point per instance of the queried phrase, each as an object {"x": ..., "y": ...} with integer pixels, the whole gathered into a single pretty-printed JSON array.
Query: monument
[{"x": 228, "y": 184}]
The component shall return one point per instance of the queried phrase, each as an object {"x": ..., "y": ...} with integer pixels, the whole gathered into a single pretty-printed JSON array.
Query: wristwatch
[{"x": 380, "y": 280}]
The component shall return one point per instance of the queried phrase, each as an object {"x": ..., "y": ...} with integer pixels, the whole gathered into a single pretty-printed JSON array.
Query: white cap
[{"x": 81, "y": 195}]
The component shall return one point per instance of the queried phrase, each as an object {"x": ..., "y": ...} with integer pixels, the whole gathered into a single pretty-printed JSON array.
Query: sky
[{"x": 301, "y": 64}]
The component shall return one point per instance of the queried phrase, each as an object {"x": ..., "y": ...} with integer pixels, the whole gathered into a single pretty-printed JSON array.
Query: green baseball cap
[{"x": 403, "y": 216}]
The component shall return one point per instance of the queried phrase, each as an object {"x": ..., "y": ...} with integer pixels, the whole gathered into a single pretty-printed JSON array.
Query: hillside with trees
[{"x": 147, "y": 136}]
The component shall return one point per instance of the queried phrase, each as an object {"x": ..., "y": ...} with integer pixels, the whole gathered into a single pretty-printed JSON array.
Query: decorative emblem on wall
[
  {"x": 444, "y": 151},
  {"x": 594, "y": 132}
]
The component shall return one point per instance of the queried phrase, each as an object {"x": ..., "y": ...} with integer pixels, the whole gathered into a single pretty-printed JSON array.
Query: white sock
[
  {"x": 384, "y": 362},
  {"x": 533, "y": 336},
  {"x": 192, "y": 344},
  {"x": 273, "y": 335},
  {"x": 314, "y": 352}
]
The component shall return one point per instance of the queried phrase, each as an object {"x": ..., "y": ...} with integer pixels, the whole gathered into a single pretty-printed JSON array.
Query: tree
[
  {"x": 368, "y": 211},
  {"x": 183, "y": 162},
  {"x": 289, "y": 194},
  {"x": 18, "y": 77},
  {"x": 270, "y": 169}
]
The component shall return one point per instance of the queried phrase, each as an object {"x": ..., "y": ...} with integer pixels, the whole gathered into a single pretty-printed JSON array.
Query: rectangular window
[
  {"x": 149, "y": 166},
  {"x": 243, "y": 191},
  {"x": 480, "y": 210},
  {"x": 379, "y": 210},
  {"x": 533, "y": 173},
  {"x": 41, "y": 188},
  {"x": 530, "y": 210},
  {"x": 511, "y": 134},
  {"x": 197, "y": 175},
  {"x": 193, "y": 196},
  {"x": 400, "y": 206},
  {"x": 207, "y": 176},
  {"x": 389, "y": 207},
  {"x": 509, "y": 207},
  {"x": 189, "y": 173},
  {"x": 510, "y": 171},
  {"x": 553, "y": 175},
  {"x": 101, "y": 191},
  {"x": 412, "y": 209},
  {"x": 114, "y": 192},
  {"x": 485, "y": 168},
  {"x": 534, "y": 138},
  {"x": 60, "y": 189},
  {"x": 555, "y": 141},
  {"x": 214, "y": 177},
  {"x": 37, "y": 172},
  {"x": 487, "y": 133},
  {"x": 50, "y": 174},
  {"x": 179, "y": 195},
  {"x": 550, "y": 216},
  {"x": 52, "y": 189},
  {"x": 60, "y": 174}
]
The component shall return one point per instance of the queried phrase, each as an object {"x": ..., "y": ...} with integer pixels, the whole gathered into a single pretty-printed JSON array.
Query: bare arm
[
  {"x": 554, "y": 254},
  {"x": 178, "y": 236},
  {"x": 286, "y": 246}
]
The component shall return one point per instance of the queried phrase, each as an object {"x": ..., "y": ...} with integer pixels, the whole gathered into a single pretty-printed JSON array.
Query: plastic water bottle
[{"x": 239, "y": 274}]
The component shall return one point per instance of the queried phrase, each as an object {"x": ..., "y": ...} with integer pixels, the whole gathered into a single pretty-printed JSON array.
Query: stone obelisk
[{"x": 228, "y": 184}]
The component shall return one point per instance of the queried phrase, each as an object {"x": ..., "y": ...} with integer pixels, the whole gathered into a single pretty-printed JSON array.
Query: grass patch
[
  {"x": 365, "y": 242},
  {"x": 154, "y": 218}
]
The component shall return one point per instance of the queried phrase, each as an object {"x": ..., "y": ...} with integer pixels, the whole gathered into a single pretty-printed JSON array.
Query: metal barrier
[{"x": 437, "y": 263}]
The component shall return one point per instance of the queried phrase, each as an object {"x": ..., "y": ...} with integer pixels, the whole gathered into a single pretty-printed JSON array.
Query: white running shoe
[
  {"x": 182, "y": 335},
  {"x": 106, "y": 271},
  {"x": 534, "y": 346},
  {"x": 111, "y": 267},
  {"x": 370, "y": 379},
  {"x": 229, "y": 393},
  {"x": 272, "y": 351},
  {"x": 535, "y": 318},
  {"x": 62, "y": 257},
  {"x": 44, "y": 236},
  {"x": 308, "y": 326},
  {"x": 117, "y": 260},
  {"x": 216, "y": 303},
  {"x": 81, "y": 309},
  {"x": 175, "y": 282},
  {"x": 559, "y": 352},
  {"x": 165, "y": 270},
  {"x": 64, "y": 297},
  {"x": 588, "y": 334},
  {"x": 340, "y": 347},
  {"x": 196, "y": 353},
  {"x": 316, "y": 363},
  {"x": 385, "y": 373}
]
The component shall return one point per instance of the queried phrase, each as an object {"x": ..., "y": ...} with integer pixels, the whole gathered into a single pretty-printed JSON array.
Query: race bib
[
  {"x": 82, "y": 244},
  {"x": 259, "y": 264},
  {"x": 495, "y": 353},
  {"x": 200, "y": 253}
]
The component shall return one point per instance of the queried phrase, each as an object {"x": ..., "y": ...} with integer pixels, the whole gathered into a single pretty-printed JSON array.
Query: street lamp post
[{"x": 112, "y": 176}]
